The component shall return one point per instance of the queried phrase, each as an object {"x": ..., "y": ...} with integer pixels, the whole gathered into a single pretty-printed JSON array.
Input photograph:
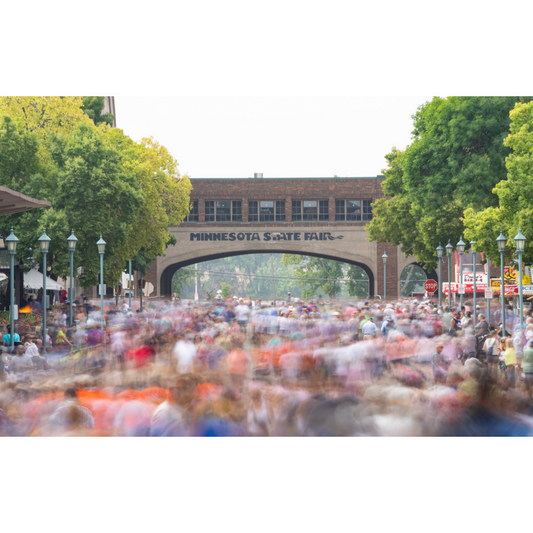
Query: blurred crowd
[{"x": 243, "y": 368}]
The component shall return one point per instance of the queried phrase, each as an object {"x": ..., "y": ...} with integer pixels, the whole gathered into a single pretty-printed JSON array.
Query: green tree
[
  {"x": 307, "y": 269},
  {"x": 454, "y": 162},
  {"x": 181, "y": 279},
  {"x": 166, "y": 194},
  {"x": 226, "y": 290},
  {"x": 358, "y": 284},
  {"x": 515, "y": 194},
  {"x": 93, "y": 107},
  {"x": 95, "y": 195}
]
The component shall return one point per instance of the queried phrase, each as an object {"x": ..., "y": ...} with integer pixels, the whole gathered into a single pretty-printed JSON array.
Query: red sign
[
  {"x": 431, "y": 285},
  {"x": 469, "y": 287}
]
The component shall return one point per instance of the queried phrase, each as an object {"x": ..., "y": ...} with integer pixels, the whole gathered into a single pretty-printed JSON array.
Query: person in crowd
[{"x": 21, "y": 362}]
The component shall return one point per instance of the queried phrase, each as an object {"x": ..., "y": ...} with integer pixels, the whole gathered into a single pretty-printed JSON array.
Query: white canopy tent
[{"x": 34, "y": 280}]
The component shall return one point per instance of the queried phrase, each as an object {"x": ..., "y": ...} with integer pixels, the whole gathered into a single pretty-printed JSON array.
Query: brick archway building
[{"x": 315, "y": 216}]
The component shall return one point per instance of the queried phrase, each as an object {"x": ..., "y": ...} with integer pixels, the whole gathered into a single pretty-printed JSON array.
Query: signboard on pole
[
  {"x": 431, "y": 286},
  {"x": 488, "y": 294},
  {"x": 461, "y": 288},
  {"x": 509, "y": 289}
]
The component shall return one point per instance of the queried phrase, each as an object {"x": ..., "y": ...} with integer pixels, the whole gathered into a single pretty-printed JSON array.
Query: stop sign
[{"x": 430, "y": 285}]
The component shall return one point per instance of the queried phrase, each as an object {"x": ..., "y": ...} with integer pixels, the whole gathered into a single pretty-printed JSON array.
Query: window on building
[
  {"x": 266, "y": 211},
  {"x": 280, "y": 211},
  {"x": 323, "y": 213},
  {"x": 223, "y": 211},
  {"x": 350, "y": 210},
  {"x": 253, "y": 211},
  {"x": 367, "y": 209},
  {"x": 310, "y": 210},
  {"x": 209, "y": 211},
  {"x": 193, "y": 214}
]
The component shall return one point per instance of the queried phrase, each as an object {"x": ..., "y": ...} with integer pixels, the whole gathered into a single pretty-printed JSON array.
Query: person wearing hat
[
  {"x": 369, "y": 329},
  {"x": 387, "y": 326}
]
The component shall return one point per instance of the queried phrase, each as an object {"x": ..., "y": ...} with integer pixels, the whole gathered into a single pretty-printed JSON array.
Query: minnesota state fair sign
[{"x": 265, "y": 236}]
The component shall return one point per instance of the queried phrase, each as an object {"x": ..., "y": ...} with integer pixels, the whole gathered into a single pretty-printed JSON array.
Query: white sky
[
  {"x": 289, "y": 88},
  {"x": 223, "y": 136}
]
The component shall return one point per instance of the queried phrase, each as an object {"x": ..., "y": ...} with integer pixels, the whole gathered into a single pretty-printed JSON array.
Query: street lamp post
[
  {"x": 101, "y": 250},
  {"x": 472, "y": 247},
  {"x": 501, "y": 240},
  {"x": 71, "y": 248},
  {"x": 11, "y": 242},
  {"x": 520, "y": 242},
  {"x": 384, "y": 257},
  {"x": 461, "y": 249},
  {"x": 440, "y": 252},
  {"x": 129, "y": 286},
  {"x": 44, "y": 244},
  {"x": 488, "y": 287},
  {"x": 449, "y": 250}
]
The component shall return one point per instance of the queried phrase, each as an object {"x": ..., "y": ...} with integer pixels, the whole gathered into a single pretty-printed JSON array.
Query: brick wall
[{"x": 283, "y": 189}]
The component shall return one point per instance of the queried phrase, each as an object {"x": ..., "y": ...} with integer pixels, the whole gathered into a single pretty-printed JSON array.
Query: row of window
[{"x": 274, "y": 211}]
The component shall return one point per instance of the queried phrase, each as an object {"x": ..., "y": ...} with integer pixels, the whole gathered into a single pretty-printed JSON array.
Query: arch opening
[
  {"x": 412, "y": 279},
  {"x": 168, "y": 273}
]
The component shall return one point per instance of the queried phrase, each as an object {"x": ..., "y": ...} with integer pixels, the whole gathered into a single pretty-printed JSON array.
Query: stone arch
[
  {"x": 430, "y": 274},
  {"x": 165, "y": 280}
]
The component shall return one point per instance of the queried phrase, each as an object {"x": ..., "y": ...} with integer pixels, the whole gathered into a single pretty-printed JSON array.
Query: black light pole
[
  {"x": 520, "y": 242},
  {"x": 11, "y": 242},
  {"x": 440, "y": 252},
  {"x": 501, "y": 240},
  {"x": 44, "y": 244},
  {"x": 384, "y": 257},
  {"x": 472, "y": 247},
  {"x": 71, "y": 248},
  {"x": 461, "y": 249},
  {"x": 449, "y": 250}
]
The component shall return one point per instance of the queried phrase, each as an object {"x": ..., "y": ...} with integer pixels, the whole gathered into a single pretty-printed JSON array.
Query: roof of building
[
  {"x": 258, "y": 179},
  {"x": 15, "y": 202}
]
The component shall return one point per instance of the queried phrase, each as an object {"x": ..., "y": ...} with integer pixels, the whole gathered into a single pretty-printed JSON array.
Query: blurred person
[
  {"x": 508, "y": 355},
  {"x": 482, "y": 327},
  {"x": 491, "y": 348},
  {"x": 7, "y": 338},
  {"x": 21, "y": 362},
  {"x": 31, "y": 348},
  {"x": 518, "y": 343},
  {"x": 387, "y": 326},
  {"x": 369, "y": 329},
  {"x": 528, "y": 367},
  {"x": 438, "y": 364},
  {"x": 167, "y": 414},
  {"x": 62, "y": 337},
  {"x": 242, "y": 311},
  {"x": 185, "y": 353},
  {"x": 468, "y": 390},
  {"x": 70, "y": 415},
  {"x": 258, "y": 419},
  {"x": 237, "y": 365}
]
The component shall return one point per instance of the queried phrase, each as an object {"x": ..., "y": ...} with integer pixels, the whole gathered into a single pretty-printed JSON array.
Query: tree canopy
[
  {"x": 454, "y": 162},
  {"x": 98, "y": 180},
  {"x": 515, "y": 194}
]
